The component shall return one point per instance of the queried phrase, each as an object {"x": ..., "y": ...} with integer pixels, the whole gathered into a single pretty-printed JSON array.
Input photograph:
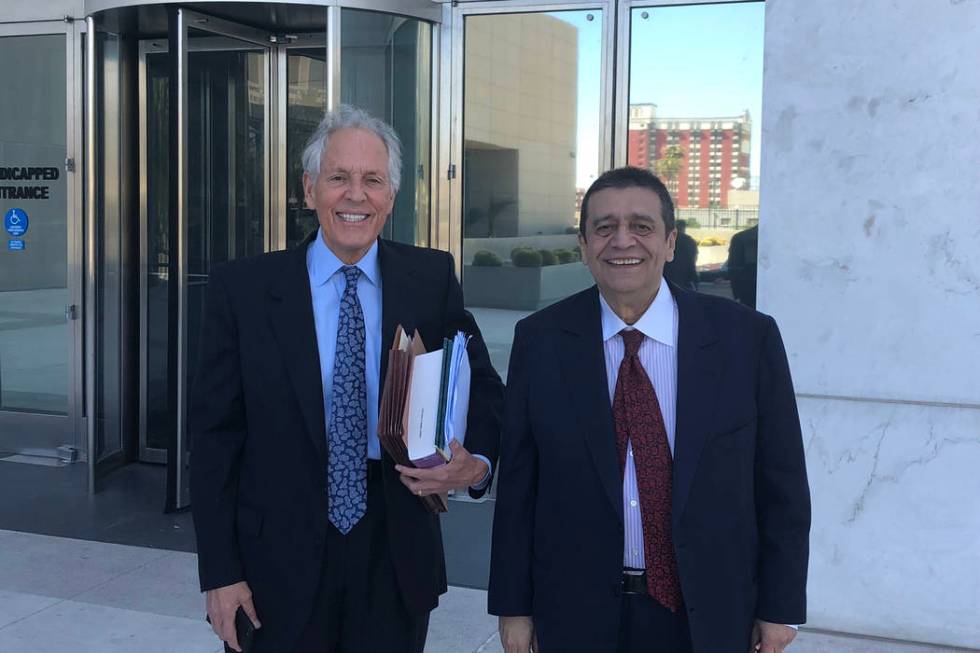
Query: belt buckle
[{"x": 634, "y": 581}]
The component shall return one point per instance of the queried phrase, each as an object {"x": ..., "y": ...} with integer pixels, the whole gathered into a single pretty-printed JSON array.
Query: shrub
[
  {"x": 487, "y": 258},
  {"x": 692, "y": 223},
  {"x": 565, "y": 256},
  {"x": 525, "y": 257},
  {"x": 713, "y": 242},
  {"x": 548, "y": 257}
]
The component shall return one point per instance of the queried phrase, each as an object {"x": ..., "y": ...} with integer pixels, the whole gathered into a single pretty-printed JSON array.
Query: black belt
[
  {"x": 634, "y": 581},
  {"x": 373, "y": 469}
]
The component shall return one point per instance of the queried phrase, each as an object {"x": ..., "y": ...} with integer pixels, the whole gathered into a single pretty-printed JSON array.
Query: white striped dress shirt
[{"x": 658, "y": 356}]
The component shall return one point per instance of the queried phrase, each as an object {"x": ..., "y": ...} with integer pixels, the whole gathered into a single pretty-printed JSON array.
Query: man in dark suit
[
  {"x": 743, "y": 264},
  {"x": 301, "y": 519},
  {"x": 652, "y": 493},
  {"x": 682, "y": 270}
]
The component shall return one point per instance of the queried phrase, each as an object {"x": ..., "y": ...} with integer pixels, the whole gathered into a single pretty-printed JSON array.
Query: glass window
[
  {"x": 34, "y": 337},
  {"x": 226, "y": 193},
  {"x": 385, "y": 68},
  {"x": 709, "y": 100},
  {"x": 531, "y": 130},
  {"x": 306, "y": 100}
]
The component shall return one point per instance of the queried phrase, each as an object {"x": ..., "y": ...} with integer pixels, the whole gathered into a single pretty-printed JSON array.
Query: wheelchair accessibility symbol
[{"x": 15, "y": 222}]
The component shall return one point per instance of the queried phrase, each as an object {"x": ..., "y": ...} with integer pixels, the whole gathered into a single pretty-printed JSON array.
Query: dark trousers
[
  {"x": 645, "y": 626},
  {"x": 358, "y": 607}
]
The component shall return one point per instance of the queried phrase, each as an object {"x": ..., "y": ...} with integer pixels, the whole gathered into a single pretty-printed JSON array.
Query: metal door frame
[
  {"x": 52, "y": 431},
  {"x": 265, "y": 42},
  {"x": 450, "y": 223},
  {"x": 271, "y": 217}
]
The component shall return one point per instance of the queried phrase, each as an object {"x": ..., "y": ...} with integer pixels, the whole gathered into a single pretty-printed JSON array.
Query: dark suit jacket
[
  {"x": 741, "y": 508},
  {"x": 256, "y": 419}
]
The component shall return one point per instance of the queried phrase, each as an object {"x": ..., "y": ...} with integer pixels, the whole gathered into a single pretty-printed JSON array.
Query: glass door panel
[
  {"x": 385, "y": 68},
  {"x": 531, "y": 146},
  {"x": 227, "y": 198},
  {"x": 306, "y": 100},
  {"x": 695, "y": 121},
  {"x": 35, "y": 332}
]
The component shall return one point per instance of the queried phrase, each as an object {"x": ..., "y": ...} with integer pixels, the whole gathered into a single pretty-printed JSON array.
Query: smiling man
[
  {"x": 653, "y": 494},
  {"x": 302, "y": 521}
]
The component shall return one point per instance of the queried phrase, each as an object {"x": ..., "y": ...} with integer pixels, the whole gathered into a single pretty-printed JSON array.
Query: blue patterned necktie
[{"x": 347, "y": 425}]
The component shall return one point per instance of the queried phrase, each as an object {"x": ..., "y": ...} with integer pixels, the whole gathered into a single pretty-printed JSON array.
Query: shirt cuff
[
  {"x": 794, "y": 627},
  {"x": 486, "y": 478}
]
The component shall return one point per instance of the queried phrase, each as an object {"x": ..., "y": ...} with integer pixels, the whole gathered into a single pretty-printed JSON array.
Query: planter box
[{"x": 523, "y": 289}]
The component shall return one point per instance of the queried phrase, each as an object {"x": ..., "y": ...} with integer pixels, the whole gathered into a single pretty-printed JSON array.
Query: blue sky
[{"x": 696, "y": 60}]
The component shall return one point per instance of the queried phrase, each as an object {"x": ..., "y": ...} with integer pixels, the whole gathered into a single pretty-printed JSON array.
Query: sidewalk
[{"x": 59, "y": 594}]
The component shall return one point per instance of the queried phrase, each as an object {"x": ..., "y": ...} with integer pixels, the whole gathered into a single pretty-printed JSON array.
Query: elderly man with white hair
[{"x": 303, "y": 522}]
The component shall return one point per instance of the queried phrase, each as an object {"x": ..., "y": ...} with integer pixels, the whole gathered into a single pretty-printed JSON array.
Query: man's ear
[
  {"x": 308, "y": 193},
  {"x": 671, "y": 244}
]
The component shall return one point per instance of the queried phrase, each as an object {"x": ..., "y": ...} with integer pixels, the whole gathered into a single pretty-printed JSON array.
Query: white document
[{"x": 423, "y": 405}]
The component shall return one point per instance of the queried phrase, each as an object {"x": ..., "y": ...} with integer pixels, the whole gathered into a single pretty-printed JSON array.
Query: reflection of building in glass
[
  {"x": 702, "y": 160},
  {"x": 520, "y": 124}
]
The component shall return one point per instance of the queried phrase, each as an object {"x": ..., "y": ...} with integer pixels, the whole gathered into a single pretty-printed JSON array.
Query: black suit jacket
[
  {"x": 741, "y": 508},
  {"x": 258, "y": 435}
]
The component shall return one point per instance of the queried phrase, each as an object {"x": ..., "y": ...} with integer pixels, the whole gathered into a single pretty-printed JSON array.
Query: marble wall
[{"x": 870, "y": 262}]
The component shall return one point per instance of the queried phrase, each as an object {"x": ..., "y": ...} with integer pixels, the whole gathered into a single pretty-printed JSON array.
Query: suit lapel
[
  {"x": 397, "y": 293},
  {"x": 295, "y": 333},
  {"x": 699, "y": 370},
  {"x": 584, "y": 369}
]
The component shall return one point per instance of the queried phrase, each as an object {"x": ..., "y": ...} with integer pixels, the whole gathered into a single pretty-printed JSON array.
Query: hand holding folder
[{"x": 424, "y": 404}]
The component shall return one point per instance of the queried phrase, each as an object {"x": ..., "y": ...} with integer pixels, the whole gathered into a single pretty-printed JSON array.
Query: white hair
[{"x": 348, "y": 117}]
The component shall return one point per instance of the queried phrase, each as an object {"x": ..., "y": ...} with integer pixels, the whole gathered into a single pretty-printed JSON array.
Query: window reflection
[
  {"x": 385, "y": 65},
  {"x": 530, "y": 148},
  {"x": 694, "y": 121},
  {"x": 305, "y": 103}
]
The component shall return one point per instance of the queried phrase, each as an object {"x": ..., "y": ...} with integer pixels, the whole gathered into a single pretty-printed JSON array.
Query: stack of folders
[{"x": 424, "y": 403}]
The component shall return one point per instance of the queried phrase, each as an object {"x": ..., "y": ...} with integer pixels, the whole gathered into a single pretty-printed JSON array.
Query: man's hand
[
  {"x": 463, "y": 471},
  {"x": 771, "y": 638},
  {"x": 222, "y": 604},
  {"x": 517, "y": 635}
]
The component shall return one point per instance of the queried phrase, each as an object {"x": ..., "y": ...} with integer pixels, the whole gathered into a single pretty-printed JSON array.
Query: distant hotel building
[{"x": 700, "y": 159}]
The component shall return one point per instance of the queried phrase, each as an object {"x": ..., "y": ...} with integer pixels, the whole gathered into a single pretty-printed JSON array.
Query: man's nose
[
  {"x": 355, "y": 189},
  {"x": 622, "y": 237}
]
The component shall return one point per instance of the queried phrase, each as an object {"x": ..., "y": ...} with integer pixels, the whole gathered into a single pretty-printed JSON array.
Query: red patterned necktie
[{"x": 636, "y": 413}]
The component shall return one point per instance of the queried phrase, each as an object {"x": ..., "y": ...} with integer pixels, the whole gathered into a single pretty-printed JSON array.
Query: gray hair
[{"x": 348, "y": 117}]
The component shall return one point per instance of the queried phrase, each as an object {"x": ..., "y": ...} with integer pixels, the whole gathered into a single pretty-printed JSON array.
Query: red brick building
[{"x": 700, "y": 159}]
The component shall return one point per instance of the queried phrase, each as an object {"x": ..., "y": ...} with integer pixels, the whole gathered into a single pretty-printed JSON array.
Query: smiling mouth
[
  {"x": 624, "y": 261},
  {"x": 352, "y": 218}
]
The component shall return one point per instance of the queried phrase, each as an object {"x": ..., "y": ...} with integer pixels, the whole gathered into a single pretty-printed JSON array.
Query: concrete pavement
[{"x": 59, "y": 594}]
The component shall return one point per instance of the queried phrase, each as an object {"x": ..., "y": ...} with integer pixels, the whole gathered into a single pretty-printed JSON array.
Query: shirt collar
[
  {"x": 657, "y": 322},
  {"x": 323, "y": 263}
]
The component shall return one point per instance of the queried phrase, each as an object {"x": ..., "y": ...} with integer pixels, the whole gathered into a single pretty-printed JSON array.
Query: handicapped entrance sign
[{"x": 15, "y": 222}]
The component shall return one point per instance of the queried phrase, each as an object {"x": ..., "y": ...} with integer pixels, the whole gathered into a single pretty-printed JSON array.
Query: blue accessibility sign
[
  {"x": 15, "y": 222},
  {"x": 16, "y": 245}
]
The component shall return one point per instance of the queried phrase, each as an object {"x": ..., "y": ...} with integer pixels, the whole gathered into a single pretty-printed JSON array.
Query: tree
[{"x": 669, "y": 164}]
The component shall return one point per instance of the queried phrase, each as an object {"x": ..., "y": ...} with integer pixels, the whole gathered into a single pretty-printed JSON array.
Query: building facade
[{"x": 701, "y": 159}]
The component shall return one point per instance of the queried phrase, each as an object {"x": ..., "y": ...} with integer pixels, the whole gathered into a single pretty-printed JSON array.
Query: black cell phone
[{"x": 244, "y": 630}]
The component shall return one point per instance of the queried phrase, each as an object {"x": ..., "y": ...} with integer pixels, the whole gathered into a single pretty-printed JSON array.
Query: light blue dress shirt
[{"x": 327, "y": 287}]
